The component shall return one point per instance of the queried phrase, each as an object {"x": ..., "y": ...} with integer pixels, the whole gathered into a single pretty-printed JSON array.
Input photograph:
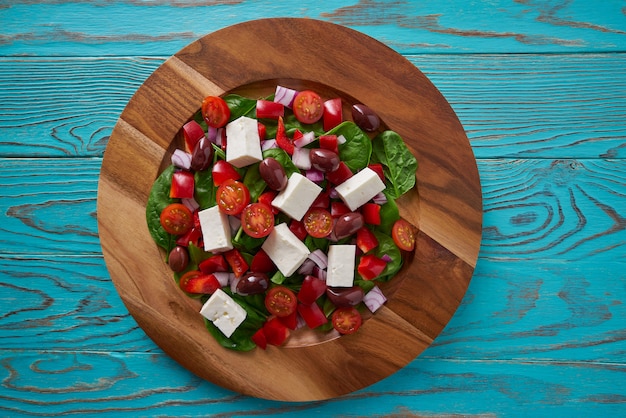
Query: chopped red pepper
[
  {"x": 182, "y": 185},
  {"x": 329, "y": 142},
  {"x": 236, "y": 261},
  {"x": 214, "y": 263},
  {"x": 340, "y": 175},
  {"x": 371, "y": 266},
  {"x": 371, "y": 213},
  {"x": 366, "y": 240},
  {"x": 282, "y": 140}
]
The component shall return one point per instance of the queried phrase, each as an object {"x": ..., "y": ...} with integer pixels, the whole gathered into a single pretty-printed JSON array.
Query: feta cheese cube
[
  {"x": 285, "y": 249},
  {"x": 340, "y": 270},
  {"x": 224, "y": 312},
  {"x": 215, "y": 229},
  {"x": 360, "y": 188},
  {"x": 297, "y": 197},
  {"x": 244, "y": 143}
]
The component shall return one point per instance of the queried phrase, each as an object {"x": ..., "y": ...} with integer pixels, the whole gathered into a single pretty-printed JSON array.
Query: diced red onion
[
  {"x": 341, "y": 139},
  {"x": 235, "y": 223},
  {"x": 268, "y": 144},
  {"x": 233, "y": 283},
  {"x": 319, "y": 258},
  {"x": 387, "y": 258},
  {"x": 224, "y": 277},
  {"x": 301, "y": 158},
  {"x": 314, "y": 175},
  {"x": 374, "y": 299},
  {"x": 218, "y": 137},
  {"x": 306, "y": 267},
  {"x": 300, "y": 322},
  {"x": 190, "y": 203},
  {"x": 181, "y": 159},
  {"x": 306, "y": 139},
  {"x": 285, "y": 96},
  {"x": 333, "y": 194},
  {"x": 319, "y": 273},
  {"x": 380, "y": 199},
  {"x": 212, "y": 134}
]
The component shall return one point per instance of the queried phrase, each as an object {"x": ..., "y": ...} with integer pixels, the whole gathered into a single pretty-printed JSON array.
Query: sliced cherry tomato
[
  {"x": 346, "y": 320},
  {"x": 312, "y": 315},
  {"x": 371, "y": 266},
  {"x": 262, "y": 263},
  {"x": 236, "y": 262},
  {"x": 403, "y": 235},
  {"x": 318, "y": 222},
  {"x": 267, "y": 197},
  {"x": 212, "y": 264},
  {"x": 259, "y": 338},
  {"x": 267, "y": 109},
  {"x": 371, "y": 213},
  {"x": 297, "y": 227},
  {"x": 192, "y": 132},
  {"x": 176, "y": 219},
  {"x": 312, "y": 288},
  {"x": 223, "y": 171},
  {"x": 182, "y": 185},
  {"x": 215, "y": 111},
  {"x": 366, "y": 240},
  {"x": 308, "y": 106},
  {"x": 257, "y": 220},
  {"x": 340, "y": 175},
  {"x": 282, "y": 140},
  {"x": 232, "y": 197},
  {"x": 276, "y": 333},
  {"x": 198, "y": 283},
  {"x": 333, "y": 113},
  {"x": 329, "y": 142},
  {"x": 281, "y": 301}
]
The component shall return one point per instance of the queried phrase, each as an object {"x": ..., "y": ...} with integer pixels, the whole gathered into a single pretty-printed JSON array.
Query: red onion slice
[
  {"x": 181, "y": 159},
  {"x": 285, "y": 96},
  {"x": 374, "y": 299}
]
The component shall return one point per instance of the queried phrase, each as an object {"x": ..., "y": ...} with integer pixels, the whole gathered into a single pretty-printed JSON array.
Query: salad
[{"x": 279, "y": 213}]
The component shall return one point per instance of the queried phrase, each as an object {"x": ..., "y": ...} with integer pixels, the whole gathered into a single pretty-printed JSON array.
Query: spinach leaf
[
  {"x": 389, "y": 214},
  {"x": 388, "y": 247},
  {"x": 357, "y": 149},
  {"x": 283, "y": 158},
  {"x": 240, "y": 106},
  {"x": 157, "y": 201},
  {"x": 254, "y": 182},
  {"x": 399, "y": 164},
  {"x": 204, "y": 189}
]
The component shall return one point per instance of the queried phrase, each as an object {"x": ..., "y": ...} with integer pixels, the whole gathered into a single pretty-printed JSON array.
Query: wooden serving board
[{"x": 251, "y": 59}]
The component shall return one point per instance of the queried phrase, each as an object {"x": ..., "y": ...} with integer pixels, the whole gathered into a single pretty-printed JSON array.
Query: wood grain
[{"x": 449, "y": 238}]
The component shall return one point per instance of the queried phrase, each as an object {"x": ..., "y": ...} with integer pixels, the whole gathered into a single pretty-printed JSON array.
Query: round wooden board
[{"x": 252, "y": 58}]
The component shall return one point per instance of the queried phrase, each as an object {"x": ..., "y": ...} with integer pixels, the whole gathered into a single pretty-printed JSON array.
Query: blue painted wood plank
[
  {"x": 511, "y": 106},
  {"x": 112, "y": 28}
]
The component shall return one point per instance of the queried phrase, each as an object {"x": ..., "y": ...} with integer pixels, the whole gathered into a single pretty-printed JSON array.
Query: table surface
[{"x": 540, "y": 87}]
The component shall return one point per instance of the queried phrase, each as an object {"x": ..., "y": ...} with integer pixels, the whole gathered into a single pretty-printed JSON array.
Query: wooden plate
[{"x": 251, "y": 58}]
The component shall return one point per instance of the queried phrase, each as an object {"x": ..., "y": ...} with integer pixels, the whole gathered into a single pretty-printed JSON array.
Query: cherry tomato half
[
  {"x": 318, "y": 222},
  {"x": 215, "y": 111},
  {"x": 281, "y": 301},
  {"x": 308, "y": 106},
  {"x": 176, "y": 219},
  {"x": 232, "y": 197},
  {"x": 346, "y": 320},
  {"x": 257, "y": 220},
  {"x": 403, "y": 235}
]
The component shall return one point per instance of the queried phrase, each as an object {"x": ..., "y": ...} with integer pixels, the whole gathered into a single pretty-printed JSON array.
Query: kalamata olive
[
  {"x": 252, "y": 284},
  {"x": 345, "y": 296},
  {"x": 347, "y": 224},
  {"x": 324, "y": 160},
  {"x": 202, "y": 155},
  {"x": 273, "y": 173},
  {"x": 178, "y": 258},
  {"x": 365, "y": 117}
]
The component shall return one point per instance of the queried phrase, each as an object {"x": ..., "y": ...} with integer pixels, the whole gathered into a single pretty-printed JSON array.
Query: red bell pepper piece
[
  {"x": 366, "y": 240},
  {"x": 371, "y": 266},
  {"x": 182, "y": 185}
]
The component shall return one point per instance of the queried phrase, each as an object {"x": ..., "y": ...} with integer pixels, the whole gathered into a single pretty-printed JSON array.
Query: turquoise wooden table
[{"x": 540, "y": 87}]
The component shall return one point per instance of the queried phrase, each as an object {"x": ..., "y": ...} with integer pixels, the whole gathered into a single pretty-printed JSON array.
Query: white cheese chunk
[
  {"x": 244, "y": 143},
  {"x": 340, "y": 270},
  {"x": 285, "y": 249},
  {"x": 224, "y": 312},
  {"x": 215, "y": 230},
  {"x": 297, "y": 197},
  {"x": 360, "y": 188}
]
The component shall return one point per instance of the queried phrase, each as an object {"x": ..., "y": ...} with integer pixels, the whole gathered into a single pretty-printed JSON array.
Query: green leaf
[
  {"x": 399, "y": 164},
  {"x": 158, "y": 200},
  {"x": 283, "y": 158},
  {"x": 357, "y": 149},
  {"x": 389, "y": 214},
  {"x": 204, "y": 189},
  {"x": 386, "y": 246},
  {"x": 240, "y": 106}
]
